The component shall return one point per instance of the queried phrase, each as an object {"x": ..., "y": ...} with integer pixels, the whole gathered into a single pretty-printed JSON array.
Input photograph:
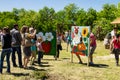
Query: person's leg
[
  {"x": 58, "y": 53},
  {"x": 8, "y": 60},
  {"x": 18, "y": 49},
  {"x": 92, "y": 49},
  {"x": 33, "y": 57},
  {"x": 67, "y": 45},
  {"x": 80, "y": 61},
  {"x": 39, "y": 57},
  {"x": 117, "y": 58},
  {"x": 13, "y": 57},
  {"x": 26, "y": 61},
  {"x": 2, "y": 55}
]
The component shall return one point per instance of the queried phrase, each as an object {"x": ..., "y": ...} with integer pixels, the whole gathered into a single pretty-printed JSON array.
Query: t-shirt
[
  {"x": 92, "y": 39},
  {"x": 39, "y": 46},
  {"x": 116, "y": 44}
]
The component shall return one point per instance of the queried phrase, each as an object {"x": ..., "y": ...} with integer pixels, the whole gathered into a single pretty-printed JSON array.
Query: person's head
[
  {"x": 115, "y": 30},
  {"x": 31, "y": 29},
  {"x": 80, "y": 39},
  {"x": 39, "y": 39},
  {"x": 6, "y": 30},
  {"x": 118, "y": 37},
  {"x": 24, "y": 29},
  {"x": 16, "y": 26}
]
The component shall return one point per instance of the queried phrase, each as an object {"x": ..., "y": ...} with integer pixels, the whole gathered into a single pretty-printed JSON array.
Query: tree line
[{"x": 47, "y": 19}]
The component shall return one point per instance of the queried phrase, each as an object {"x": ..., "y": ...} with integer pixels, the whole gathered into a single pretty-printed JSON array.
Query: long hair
[{"x": 24, "y": 29}]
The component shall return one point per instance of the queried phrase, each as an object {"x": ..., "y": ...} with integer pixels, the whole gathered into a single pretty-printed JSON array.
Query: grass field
[{"x": 63, "y": 69}]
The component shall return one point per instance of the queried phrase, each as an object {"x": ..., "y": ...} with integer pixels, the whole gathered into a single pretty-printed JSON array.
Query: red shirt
[
  {"x": 116, "y": 44},
  {"x": 92, "y": 40}
]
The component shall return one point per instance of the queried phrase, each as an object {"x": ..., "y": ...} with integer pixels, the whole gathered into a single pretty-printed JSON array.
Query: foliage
[{"x": 47, "y": 19}]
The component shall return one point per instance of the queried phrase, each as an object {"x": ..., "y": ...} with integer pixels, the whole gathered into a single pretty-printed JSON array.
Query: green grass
[{"x": 63, "y": 69}]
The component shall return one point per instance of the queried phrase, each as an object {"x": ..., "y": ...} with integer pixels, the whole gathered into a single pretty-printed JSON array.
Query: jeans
[
  {"x": 18, "y": 49},
  {"x": 5, "y": 52},
  {"x": 40, "y": 55}
]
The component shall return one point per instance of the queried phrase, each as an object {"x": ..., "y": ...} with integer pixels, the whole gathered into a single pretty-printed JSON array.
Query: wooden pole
[{"x": 89, "y": 47}]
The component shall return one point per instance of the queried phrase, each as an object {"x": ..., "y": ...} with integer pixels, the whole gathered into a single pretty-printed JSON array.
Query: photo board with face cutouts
[
  {"x": 80, "y": 40},
  {"x": 49, "y": 42}
]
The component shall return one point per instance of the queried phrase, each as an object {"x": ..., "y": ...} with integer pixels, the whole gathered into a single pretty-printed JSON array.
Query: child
[
  {"x": 6, "y": 49},
  {"x": 40, "y": 49}
]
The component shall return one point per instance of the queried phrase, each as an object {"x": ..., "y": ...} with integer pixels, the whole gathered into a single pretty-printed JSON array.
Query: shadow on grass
[
  {"x": 44, "y": 62},
  {"x": 27, "y": 74},
  {"x": 99, "y": 65},
  {"x": 35, "y": 69},
  {"x": 66, "y": 58},
  {"x": 20, "y": 74},
  {"x": 96, "y": 65},
  {"x": 45, "y": 65},
  {"x": 52, "y": 59}
]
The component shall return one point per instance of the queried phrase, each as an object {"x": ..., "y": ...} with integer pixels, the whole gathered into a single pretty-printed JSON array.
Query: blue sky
[{"x": 8, "y": 5}]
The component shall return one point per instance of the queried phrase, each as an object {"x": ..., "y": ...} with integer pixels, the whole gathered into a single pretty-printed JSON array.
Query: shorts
[
  {"x": 92, "y": 49},
  {"x": 27, "y": 51}
]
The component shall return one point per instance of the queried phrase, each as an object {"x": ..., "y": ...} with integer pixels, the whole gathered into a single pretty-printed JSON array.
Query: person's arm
[
  {"x": 111, "y": 45},
  {"x": 33, "y": 34},
  {"x": 2, "y": 40}
]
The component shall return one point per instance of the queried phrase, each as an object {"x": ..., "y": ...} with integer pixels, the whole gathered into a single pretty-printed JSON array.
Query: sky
[{"x": 36, "y": 5}]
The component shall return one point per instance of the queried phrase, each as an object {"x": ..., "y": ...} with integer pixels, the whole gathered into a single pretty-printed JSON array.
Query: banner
[
  {"x": 49, "y": 42},
  {"x": 80, "y": 40}
]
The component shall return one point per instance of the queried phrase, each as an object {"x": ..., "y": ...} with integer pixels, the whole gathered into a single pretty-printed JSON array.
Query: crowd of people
[{"x": 12, "y": 40}]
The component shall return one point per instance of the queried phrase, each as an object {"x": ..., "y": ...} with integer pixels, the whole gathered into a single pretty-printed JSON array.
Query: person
[
  {"x": 16, "y": 46},
  {"x": 78, "y": 49},
  {"x": 39, "y": 49},
  {"x": 92, "y": 47},
  {"x": 115, "y": 48},
  {"x": 114, "y": 32},
  {"x": 59, "y": 46},
  {"x": 68, "y": 40},
  {"x": 26, "y": 43},
  {"x": 107, "y": 40},
  {"x": 33, "y": 47},
  {"x": 6, "y": 49}
]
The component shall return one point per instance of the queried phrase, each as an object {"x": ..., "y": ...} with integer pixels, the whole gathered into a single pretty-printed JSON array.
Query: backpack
[{"x": 107, "y": 40}]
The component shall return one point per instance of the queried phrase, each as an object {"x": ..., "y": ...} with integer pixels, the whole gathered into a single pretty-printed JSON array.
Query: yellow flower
[{"x": 84, "y": 32}]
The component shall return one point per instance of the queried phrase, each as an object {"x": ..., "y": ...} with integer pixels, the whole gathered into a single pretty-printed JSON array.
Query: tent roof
[{"x": 116, "y": 21}]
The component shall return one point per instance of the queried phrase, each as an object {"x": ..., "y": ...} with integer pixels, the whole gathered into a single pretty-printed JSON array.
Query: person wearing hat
[{"x": 114, "y": 32}]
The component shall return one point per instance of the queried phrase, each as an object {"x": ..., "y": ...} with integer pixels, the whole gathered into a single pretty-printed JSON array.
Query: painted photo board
[{"x": 80, "y": 40}]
